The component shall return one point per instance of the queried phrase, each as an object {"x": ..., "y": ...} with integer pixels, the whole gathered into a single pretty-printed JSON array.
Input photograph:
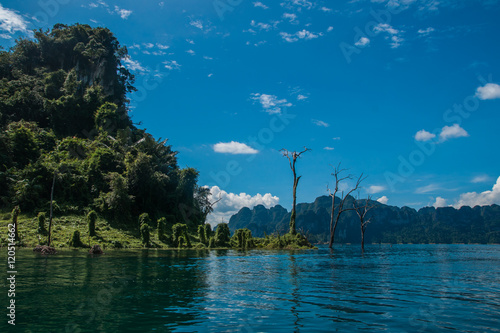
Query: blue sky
[{"x": 404, "y": 91}]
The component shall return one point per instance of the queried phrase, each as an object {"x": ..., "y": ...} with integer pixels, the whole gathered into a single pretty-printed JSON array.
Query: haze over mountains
[{"x": 389, "y": 224}]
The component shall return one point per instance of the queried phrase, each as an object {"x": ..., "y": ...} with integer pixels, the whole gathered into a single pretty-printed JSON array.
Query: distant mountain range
[{"x": 389, "y": 224}]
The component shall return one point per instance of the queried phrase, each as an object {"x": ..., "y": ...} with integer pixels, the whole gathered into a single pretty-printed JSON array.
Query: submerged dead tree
[
  {"x": 292, "y": 159},
  {"x": 334, "y": 218},
  {"x": 362, "y": 210}
]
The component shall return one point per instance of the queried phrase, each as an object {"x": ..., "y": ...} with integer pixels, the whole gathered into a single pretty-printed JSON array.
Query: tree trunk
[
  {"x": 362, "y": 240},
  {"x": 293, "y": 230},
  {"x": 332, "y": 229},
  {"x": 51, "y": 199}
]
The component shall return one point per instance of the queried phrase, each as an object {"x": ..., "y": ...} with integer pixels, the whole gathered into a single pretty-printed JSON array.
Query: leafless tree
[
  {"x": 292, "y": 158},
  {"x": 362, "y": 211},
  {"x": 334, "y": 218}
]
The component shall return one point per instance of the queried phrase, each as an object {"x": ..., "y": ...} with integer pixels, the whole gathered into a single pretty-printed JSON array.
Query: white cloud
[
  {"x": 290, "y": 16},
  {"x": 234, "y": 147},
  {"x": 480, "y": 179},
  {"x": 451, "y": 132},
  {"x": 210, "y": 75},
  {"x": 428, "y": 188},
  {"x": 320, "y": 123},
  {"x": 171, "y": 64},
  {"x": 363, "y": 41},
  {"x": 330, "y": 28},
  {"x": 301, "y": 97},
  {"x": 336, "y": 138},
  {"x": 270, "y": 103},
  {"x": 197, "y": 24},
  {"x": 260, "y": 4},
  {"x": 260, "y": 25},
  {"x": 302, "y": 34},
  {"x": 384, "y": 27},
  {"x": 328, "y": 148},
  {"x": 423, "y": 135},
  {"x": 375, "y": 189},
  {"x": 440, "y": 202},
  {"x": 133, "y": 65},
  {"x": 148, "y": 45},
  {"x": 326, "y": 9},
  {"x": 395, "y": 34},
  {"x": 383, "y": 200},
  {"x": 231, "y": 203},
  {"x": 482, "y": 199},
  {"x": 297, "y": 4},
  {"x": 124, "y": 13},
  {"x": 446, "y": 133},
  {"x": 207, "y": 58},
  {"x": 11, "y": 22},
  {"x": 161, "y": 46},
  {"x": 425, "y": 32},
  {"x": 190, "y": 41},
  {"x": 191, "y": 52},
  {"x": 488, "y": 91}
]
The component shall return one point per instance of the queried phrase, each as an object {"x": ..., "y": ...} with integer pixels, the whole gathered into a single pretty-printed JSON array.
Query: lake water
[{"x": 400, "y": 288}]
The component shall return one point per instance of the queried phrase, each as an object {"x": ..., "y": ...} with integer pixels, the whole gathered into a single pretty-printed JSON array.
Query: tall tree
[
  {"x": 334, "y": 218},
  {"x": 292, "y": 159},
  {"x": 362, "y": 210}
]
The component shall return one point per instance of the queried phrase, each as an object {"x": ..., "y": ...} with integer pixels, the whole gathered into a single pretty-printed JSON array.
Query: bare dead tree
[
  {"x": 334, "y": 218},
  {"x": 292, "y": 159},
  {"x": 362, "y": 211}
]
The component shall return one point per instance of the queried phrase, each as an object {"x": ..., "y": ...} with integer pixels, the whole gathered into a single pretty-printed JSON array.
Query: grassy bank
[{"x": 109, "y": 236}]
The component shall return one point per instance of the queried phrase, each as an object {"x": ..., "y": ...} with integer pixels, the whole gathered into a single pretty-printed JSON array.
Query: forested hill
[
  {"x": 389, "y": 224},
  {"x": 64, "y": 112}
]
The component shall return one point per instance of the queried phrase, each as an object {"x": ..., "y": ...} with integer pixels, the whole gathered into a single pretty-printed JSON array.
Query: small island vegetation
[{"x": 75, "y": 171}]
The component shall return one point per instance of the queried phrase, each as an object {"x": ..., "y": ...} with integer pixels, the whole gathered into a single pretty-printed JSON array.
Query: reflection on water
[{"x": 407, "y": 288}]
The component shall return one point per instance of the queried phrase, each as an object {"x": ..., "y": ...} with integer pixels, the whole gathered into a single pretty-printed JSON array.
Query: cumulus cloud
[
  {"x": 297, "y": 4},
  {"x": 171, "y": 64},
  {"x": 488, "y": 91},
  {"x": 451, "y": 132},
  {"x": 320, "y": 123},
  {"x": 271, "y": 103},
  {"x": 363, "y": 41},
  {"x": 197, "y": 24},
  {"x": 124, "y": 13},
  {"x": 482, "y": 199},
  {"x": 326, "y": 9},
  {"x": 440, "y": 202},
  {"x": 234, "y": 147},
  {"x": 231, "y": 203},
  {"x": 11, "y": 22},
  {"x": 375, "y": 189},
  {"x": 260, "y": 4},
  {"x": 302, "y": 34},
  {"x": 423, "y": 135},
  {"x": 446, "y": 133},
  {"x": 425, "y": 32},
  {"x": 301, "y": 97},
  {"x": 260, "y": 25},
  {"x": 395, "y": 34},
  {"x": 191, "y": 52},
  {"x": 329, "y": 29},
  {"x": 383, "y": 200},
  {"x": 328, "y": 148},
  {"x": 133, "y": 65},
  {"x": 290, "y": 16}
]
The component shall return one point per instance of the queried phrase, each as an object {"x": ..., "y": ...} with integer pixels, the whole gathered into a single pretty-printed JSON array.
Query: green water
[{"x": 407, "y": 288}]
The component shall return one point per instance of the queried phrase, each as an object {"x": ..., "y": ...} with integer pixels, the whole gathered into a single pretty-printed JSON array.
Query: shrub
[
  {"x": 41, "y": 223},
  {"x": 91, "y": 218},
  {"x": 160, "y": 230},
  {"x": 145, "y": 234},
  {"x": 222, "y": 235},
  {"x": 75, "y": 240}
]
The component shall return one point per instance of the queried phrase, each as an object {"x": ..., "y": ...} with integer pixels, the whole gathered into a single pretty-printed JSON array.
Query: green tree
[
  {"x": 160, "y": 229},
  {"x": 41, "y": 222}
]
